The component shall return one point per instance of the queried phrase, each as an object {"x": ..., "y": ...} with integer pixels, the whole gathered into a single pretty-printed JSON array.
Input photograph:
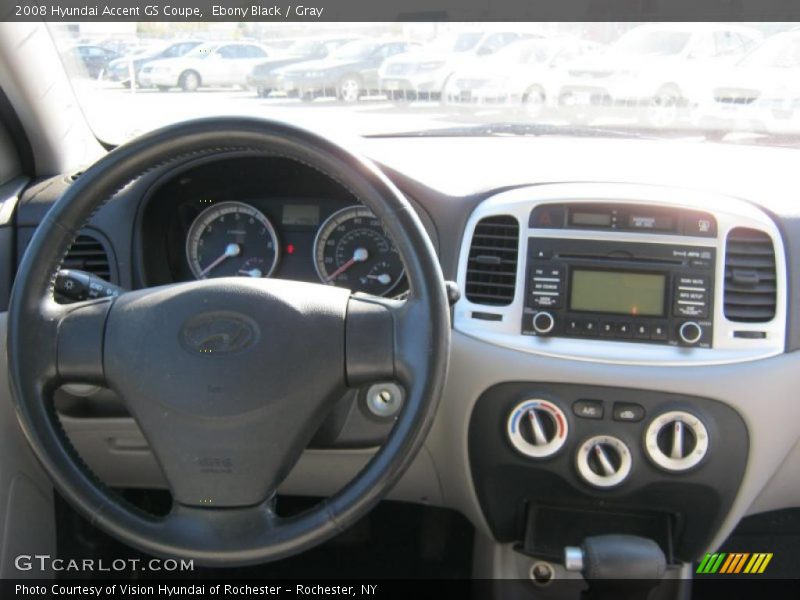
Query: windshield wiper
[{"x": 520, "y": 130}]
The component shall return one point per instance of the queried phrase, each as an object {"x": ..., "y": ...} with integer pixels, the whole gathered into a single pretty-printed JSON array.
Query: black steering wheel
[{"x": 228, "y": 378}]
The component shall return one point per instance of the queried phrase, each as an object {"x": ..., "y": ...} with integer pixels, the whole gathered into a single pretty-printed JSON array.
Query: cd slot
[{"x": 627, "y": 258}]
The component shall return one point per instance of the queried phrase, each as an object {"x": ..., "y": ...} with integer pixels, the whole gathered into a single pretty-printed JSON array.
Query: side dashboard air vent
[
  {"x": 88, "y": 253},
  {"x": 492, "y": 263},
  {"x": 750, "y": 282}
]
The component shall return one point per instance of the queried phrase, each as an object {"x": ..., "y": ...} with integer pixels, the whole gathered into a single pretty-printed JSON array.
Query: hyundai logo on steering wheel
[{"x": 218, "y": 332}]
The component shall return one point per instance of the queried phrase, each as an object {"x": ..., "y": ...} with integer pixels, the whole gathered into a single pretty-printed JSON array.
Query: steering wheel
[{"x": 228, "y": 378}]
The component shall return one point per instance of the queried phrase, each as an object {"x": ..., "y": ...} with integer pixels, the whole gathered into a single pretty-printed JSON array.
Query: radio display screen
[{"x": 618, "y": 292}]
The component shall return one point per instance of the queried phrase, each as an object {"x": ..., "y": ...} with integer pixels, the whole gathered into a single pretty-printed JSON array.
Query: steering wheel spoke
[{"x": 79, "y": 341}]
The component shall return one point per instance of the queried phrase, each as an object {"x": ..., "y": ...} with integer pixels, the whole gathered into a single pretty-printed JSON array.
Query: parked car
[
  {"x": 279, "y": 44},
  {"x": 423, "y": 73},
  {"x": 349, "y": 72},
  {"x": 521, "y": 76},
  {"x": 120, "y": 68},
  {"x": 761, "y": 90},
  {"x": 263, "y": 77},
  {"x": 215, "y": 64},
  {"x": 645, "y": 71},
  {"x": 88, "y": 60}
]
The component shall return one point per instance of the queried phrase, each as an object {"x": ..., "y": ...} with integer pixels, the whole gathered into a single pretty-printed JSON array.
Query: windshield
[
  {"x": 302, "y": 47},
  {"x": 782, "y": 51},
  {"x": 699, "y": 82},
  {"x": 201, "y": 51},
  {"x": 652, "y": 42},
  {"x": 525, "y": 51},
  {"x": 462, "y": 42}
]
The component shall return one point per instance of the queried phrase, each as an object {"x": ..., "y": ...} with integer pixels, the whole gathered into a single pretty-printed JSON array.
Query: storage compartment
[{"x": 549, "y": 529}]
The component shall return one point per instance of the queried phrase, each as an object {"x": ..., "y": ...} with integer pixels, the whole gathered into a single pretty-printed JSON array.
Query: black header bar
[{"x": 400, "y": 10}]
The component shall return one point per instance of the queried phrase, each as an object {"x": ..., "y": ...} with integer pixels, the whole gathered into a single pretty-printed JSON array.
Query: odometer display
[
  {"x": 353, "y": 251},
  {"x": 231, "y": 239}
]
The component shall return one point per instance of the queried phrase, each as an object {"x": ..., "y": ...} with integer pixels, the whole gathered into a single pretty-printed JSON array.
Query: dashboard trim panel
[{"x": 729, "y": 212}]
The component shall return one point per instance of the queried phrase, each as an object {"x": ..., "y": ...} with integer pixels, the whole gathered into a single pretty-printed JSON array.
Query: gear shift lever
[{"x": 623, "y": 567}]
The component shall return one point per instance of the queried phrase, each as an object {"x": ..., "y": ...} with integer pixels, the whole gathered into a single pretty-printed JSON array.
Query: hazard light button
[{"x": 548, "y": 216}]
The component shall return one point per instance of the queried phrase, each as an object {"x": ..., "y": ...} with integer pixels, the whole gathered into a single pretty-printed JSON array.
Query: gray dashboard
[{"x": 452, "y": 183}]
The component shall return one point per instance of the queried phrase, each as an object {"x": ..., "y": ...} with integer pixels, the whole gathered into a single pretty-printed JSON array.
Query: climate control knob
[
  {"x": 676, "y": 441},
  {"x": 604, "y": 461},
  {"x": 543, "y": 323},
  {"x": 690, "y": 333},
  {"x": 537, "y": 428}
]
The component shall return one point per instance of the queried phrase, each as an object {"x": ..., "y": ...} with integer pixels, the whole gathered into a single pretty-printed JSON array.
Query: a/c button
[{"x": 588, "y": 409}]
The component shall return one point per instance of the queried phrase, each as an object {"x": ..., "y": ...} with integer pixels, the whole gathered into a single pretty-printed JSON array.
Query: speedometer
[
  {"x": 231, "y": 239},
  {"x": 353, "y": 251}
]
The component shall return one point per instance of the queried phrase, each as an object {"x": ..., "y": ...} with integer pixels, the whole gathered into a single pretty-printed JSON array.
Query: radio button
[
  {"x": 692, "y": 281},
  {"x": 589, "y": 328},
  {"x": 573, "y": 327},
  {"x": 543, "y": 323},
  {"x": 688, "y": 308},
  {"x": 546, "y": 301},
  {"x": 641, "y": 331},
  {"x": 542, "y": 301},
  {"x": 541, "y": 254},
  {"x": 546, "y": 286},
  {"x": 690, "y": 332},
  {"x": 658, "y": 333},
  {"x": 624, "y": 330},
  {"x": 607, "y": 328},
  {"x": 693, "y": 295}
]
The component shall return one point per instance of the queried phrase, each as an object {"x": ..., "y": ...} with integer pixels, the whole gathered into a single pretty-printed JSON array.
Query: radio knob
[
  {"x": 690, "y": 332},
  {"x": 543, "y": 323}
]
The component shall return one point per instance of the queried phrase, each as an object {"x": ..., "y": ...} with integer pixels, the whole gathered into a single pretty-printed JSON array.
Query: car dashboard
[{"x": 624, "y": 349}]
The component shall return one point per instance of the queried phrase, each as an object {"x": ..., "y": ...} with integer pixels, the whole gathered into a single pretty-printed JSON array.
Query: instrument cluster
[
  {"x": 248, "y": 217},
  {"x": 347, "y": 248}
]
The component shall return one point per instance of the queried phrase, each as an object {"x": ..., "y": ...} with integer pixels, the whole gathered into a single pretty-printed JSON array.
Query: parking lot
[{"x": 121, "y": 113}]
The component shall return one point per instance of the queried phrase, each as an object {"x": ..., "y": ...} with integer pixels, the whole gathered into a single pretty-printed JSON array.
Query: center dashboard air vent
[
  {"x": 492, "y": 263},
  {"x": 750, "y": 280}
]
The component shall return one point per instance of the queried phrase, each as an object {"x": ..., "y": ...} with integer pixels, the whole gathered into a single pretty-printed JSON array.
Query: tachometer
[
  {"x": 353, "y": 251},
  {"x": 231, "y": 239}
]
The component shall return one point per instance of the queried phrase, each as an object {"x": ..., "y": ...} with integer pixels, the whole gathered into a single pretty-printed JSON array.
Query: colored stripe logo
[{"x": 733, "y": 563}]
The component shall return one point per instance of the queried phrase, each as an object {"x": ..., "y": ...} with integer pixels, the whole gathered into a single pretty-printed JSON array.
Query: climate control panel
[
  {"x": 674, "y": 441},
  {"x": 594, "y": 449}
]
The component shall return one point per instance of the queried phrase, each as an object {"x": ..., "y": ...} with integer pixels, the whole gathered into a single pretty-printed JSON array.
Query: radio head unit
[{"x": 640, "y": 292}]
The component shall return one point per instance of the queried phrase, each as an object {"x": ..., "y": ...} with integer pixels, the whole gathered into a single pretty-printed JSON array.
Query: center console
[{"x": 629, "y": 275}]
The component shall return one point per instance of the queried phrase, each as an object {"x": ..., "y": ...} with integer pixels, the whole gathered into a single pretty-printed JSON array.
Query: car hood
[
  {"x": 420, "y": 56},
  {"x": 614, "y": 61},
  {"x": 320, "y": 65},
  {"x": 765, "y": 81},
  {"x": 268, "y": 66},
  {"x": 173, "y": 62},
  {"x": 123, "y": 62},
  {"x": 493, "y": 69}
]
